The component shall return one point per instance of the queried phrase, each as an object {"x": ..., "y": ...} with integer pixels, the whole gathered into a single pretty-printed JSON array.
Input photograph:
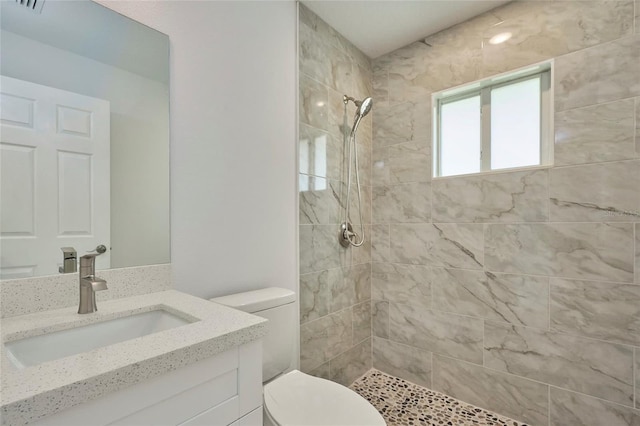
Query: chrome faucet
[{"x": 89, "y": 284}]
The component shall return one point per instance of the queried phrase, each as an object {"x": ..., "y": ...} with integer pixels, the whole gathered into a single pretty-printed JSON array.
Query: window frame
[{"x": 483, "y": 88}]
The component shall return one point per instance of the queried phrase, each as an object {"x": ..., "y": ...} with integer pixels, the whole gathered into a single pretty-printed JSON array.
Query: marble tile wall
[
  {"x": 335, "y": 283},
  {"x": 515, "y": 291}
]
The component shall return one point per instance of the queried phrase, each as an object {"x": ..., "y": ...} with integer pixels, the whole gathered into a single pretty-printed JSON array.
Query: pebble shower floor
[{"x": 404, "y": 403}]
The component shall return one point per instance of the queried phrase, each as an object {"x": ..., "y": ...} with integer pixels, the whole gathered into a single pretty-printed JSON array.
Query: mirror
[{"x": 84, "y": 129}]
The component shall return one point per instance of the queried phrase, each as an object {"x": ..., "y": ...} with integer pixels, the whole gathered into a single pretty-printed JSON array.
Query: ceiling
[{"x": 379, "y": 27}]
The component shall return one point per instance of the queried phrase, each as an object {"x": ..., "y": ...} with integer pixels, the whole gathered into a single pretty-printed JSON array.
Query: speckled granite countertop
[{"x": 35, "y": 392}]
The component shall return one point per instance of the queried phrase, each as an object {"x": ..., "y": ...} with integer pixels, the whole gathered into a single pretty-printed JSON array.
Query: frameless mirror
[{"x": 84, "y": 138}]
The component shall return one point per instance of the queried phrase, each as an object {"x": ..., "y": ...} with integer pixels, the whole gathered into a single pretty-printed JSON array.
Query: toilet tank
[{"x": 278, "y": 306}]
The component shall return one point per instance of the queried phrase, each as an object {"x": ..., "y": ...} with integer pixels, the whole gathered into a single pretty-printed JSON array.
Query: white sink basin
[{"x": 47, "y": 347}]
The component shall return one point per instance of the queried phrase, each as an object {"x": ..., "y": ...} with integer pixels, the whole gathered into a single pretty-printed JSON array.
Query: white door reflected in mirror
[{"x": 55, "y": 183}]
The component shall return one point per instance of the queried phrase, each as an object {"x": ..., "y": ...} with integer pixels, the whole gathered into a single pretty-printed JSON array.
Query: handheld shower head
[{"x": 364, "y": 107}]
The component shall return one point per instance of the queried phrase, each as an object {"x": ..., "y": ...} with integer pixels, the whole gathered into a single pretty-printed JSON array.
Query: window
[{"x": 499, "y": 123}]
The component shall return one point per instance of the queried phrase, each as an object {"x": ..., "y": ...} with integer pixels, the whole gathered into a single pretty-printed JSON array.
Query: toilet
[{"x": 296, "y": 398}]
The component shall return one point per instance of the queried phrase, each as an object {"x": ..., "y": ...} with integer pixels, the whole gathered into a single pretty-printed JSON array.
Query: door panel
[{"x": 55, "y": 187}]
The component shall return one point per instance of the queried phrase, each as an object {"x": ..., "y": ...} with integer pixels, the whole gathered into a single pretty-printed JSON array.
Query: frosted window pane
[
  {"x": 460, "y": 137},
  {"x": 515, "y": 125}
]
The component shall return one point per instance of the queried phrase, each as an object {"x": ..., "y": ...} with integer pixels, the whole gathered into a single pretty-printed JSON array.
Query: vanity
[
  {"x": 163, "y": 358},
  {"x": 85, "y": 200}
]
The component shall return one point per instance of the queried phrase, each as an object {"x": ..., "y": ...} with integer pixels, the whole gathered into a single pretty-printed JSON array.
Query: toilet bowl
[{"x": 296, "y": 398}]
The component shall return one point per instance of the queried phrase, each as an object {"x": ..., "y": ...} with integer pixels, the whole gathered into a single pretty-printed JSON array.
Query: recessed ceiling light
[
  {"x": 500, "y": 38},
  {"x": 320, "y": 103}
]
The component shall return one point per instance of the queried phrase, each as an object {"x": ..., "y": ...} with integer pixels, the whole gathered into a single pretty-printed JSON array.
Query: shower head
[{"x": 364, "y": 107}]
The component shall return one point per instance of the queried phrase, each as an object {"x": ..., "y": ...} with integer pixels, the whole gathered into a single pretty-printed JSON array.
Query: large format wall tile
[
  {"x": 355, "y": 206},
  {"x": 596, "y": 193},
  {"x": 402, "y": 361},
  {"x": 401, "y": 283},
  {"x": 543, "y": 31},
  {"x": 321, "y": 206},
  {"x": 516, "y": 299},
  {"x": 419, "y": 69},
  {"x": 314, "y": 109},
  {"x": 606, "y": 311},
  {"x": 380, "y": 243},
  {"x": 380, "y": 84},
  {"x": 380, "y": 318},
  {"x": 409, "y": 202},
  {"x": 361, "y": 321},
  {"x": 324, "y": 339},
  {"x": 598, "y": 251},
  {"x": 595, "y": 133},
  {"x": 361, "y": 254},
  {"x": 503, "y": 197},
  {"x": 348, "y": 366},
  {"x": 319, "y": 248},
  {"x": 571, "y": 409},
  {"x": 589, "y": 366},
  {"x": 453, "y": 335},
  {"x": 402, "y": 163},
  {"x": 315, "y": 294},
  {"x": 409, "y": 162},
  {"x": 518, "y": 398},
  {"x": 394, "y": 124},
  {"x": 602, "y": 73},
  {"x": 324, "y": 61},
  {"x": 352, "y": 287},
  {"x": 442, "y": 244}
]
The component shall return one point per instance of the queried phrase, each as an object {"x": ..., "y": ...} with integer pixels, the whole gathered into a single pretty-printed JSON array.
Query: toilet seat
[{"x": 297, "y": 399}]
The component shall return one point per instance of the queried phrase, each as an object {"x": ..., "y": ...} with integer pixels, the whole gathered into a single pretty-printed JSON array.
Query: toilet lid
[{"x": 297, "y": 399}]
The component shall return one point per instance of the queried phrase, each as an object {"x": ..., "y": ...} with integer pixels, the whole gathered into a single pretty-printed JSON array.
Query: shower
[{"x": 347, "y": 236}]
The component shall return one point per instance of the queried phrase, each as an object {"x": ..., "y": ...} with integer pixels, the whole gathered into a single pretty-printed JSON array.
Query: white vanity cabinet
[{"x": 223, "y": 390}]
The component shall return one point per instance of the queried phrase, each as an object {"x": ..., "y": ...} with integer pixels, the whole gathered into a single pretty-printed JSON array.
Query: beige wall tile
[
  {"x": 516, "y": 299},
  {"x": 502, "y": 197},
  {"x": 519, "y": 398},
  {"x": 602, "y": 73},
  {"x": 604, "y": 192},
  {"x": 593, "y": 367},
  {"x": 402, "y": 361},
  {"x": 606, "y": 311},
  {"x": 569, "y": 408},
  {"x": 597, "y": 251},
  {"x": 438, "y": 244},
  {"x": 348, "y": 366},
  {"x": 447, "y": 334},
  {"x": 595, "y": 133}
]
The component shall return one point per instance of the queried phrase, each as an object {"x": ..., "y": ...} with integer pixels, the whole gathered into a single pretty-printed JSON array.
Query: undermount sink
[{"x": 48, "y": 347}]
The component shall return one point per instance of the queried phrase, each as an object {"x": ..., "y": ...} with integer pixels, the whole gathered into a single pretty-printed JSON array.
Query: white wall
[
  {"x": 233, "y": 150},
  {"x": 139, "y": 141}
]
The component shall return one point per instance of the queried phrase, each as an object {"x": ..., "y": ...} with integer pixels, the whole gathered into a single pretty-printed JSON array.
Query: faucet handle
[
  {"x": 96, "y": 252},
  {"x": 99, "y": 249}
]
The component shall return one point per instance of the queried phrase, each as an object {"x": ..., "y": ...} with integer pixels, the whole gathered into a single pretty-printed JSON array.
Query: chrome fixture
[
  {"x": 89, "y": 283},
  {"x": 347, "y": 236},
  {"x": 69, "y": 260}
]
